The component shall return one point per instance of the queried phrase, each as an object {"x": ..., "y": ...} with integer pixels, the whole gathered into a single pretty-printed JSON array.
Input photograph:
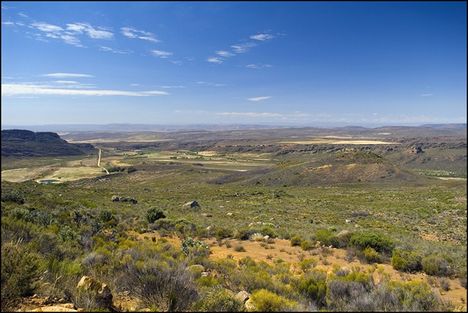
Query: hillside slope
[{"x": 17, "y": 142}]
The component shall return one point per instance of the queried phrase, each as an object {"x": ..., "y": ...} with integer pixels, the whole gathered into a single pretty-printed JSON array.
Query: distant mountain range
[
  {"x": 17, "y": 142},
  {"x": 61, "y": 128}
]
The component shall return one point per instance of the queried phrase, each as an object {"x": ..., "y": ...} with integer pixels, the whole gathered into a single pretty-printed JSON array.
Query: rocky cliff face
[{"x": 18, "y": 142}]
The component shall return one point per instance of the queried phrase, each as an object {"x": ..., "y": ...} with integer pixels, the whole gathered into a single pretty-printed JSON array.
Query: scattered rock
[
  {"x": 348, "y": 221},
  {"x": 207, "y": 215},
  {"x": 100, "y": 291},
  {"x": 204, "y": 274},
  {"x": 249, "y": 306},
  {"x": 242, "y": 296},
  {"x": 229, "y": 214},
  {"x": 192, "y": 205}
]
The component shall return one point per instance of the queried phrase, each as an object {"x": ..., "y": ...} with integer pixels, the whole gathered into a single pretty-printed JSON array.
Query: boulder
[
  {"x": 250, "y": 306},
  {"x": 242, "y": 296},
  {"x": 100, "y": 291},
  {"x": 192, "y": 205},
  {"x": 67, "y": 307}
]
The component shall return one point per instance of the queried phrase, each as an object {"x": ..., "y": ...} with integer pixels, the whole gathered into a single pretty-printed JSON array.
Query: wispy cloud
[
  {"x": 109, "y": 49},
  {"x": 67, "y": 75},
  {"x": 215, "y": 60},
  {"x": 171, "y": 86},
  {"x": 243, "y": 47},
  {"x": 8, "y": 23},
  {"x": 46, "y": 27},
  {"x": 23, "y": 15},
  {"x": 224, "y": 53},
  {"x": 262, "y": 37},
  {"x": 258, "y": 66},
  {"x": 91, "y": 31},
  {"x": 255, "y": 99},
  {"x": 161, "y": 54},
  {"x": 209, "y": 84},
  {"x": 66, "y": 82},
  {"x": 250, "y": 114},
  {"x": 9, "y": 90},
  {"x": 426, "y": 95},
  {"x": 133, "y": 33},
  {"x": 56, "y": 32}
]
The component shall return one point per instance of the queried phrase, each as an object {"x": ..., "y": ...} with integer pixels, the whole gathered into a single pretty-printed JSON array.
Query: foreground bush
[
  {"x": 219, "y": 300},
  {"x": 313, "y": 286},
  {"x": 436, "y": 265},
  {"x": 406, "y": 261},
  {"x": 19, "y": 272},
  {"x": 267, "y": 301}
]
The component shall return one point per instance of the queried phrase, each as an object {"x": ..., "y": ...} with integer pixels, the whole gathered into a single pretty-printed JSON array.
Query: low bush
[
  {"x": 267, "y": 301},
  {"x": 313, "y": 286},
  {"x": 296, "y": 241},
  {"x": 371, "y": 256},
  {"x": 406, "y": 261},
  {"x": 154, "y": 214},
  {"x": 326, "y": 237},
  {"x": 219, "y": 300},
  {"x": 436, "y": 265},
  {"x": 307, "y": 245},
  {"x": 376, "y": 241}
]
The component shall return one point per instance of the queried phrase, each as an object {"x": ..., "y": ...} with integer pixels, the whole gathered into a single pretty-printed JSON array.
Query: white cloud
[
  {"x": 257, "y": 66},
  {"x": 426, "y": 95},
  {"x": 134, "y": 85},
  {"x": 8, "y": 23},
  {"x": 262, "y": 37},
  {"x": 66, "y": 82},
  {"x": 22, "y": 14},
  {"x": 109, "y": 49},
  {"x": 9, "y": 90},
  {"x": 161, "y": 54},
  {"x": 259, "y": 98},
  {"x": 71, "y": 40},
  {"x": 243, "y": 47},
  {"x": 224, "y": 54},
  {"x": 91, "y": 31},
  {"x": 66, "y": 75},
  {"x": 47, "y": 28},
  {"x": 215, "y": 60},
  {"x": 133, "y": 33}
]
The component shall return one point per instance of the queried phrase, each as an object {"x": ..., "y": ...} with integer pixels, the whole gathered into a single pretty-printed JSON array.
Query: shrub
[
  {"x": 314, "y": 286},
  {"x": 415, "y": 296},
  {"x": 296, "y": 241},
  {"x": 154, "y": 214},
  {"x": 436, "y": 265},
  {"x": 267, "y": 301},
  {"x": 371, "y": 255},
  {"x": 306, "y": 264},
  {"x": 171, "y": 288},
  {"x": 373, "y": 240},
  {"x": 406, "y": 261},
  {"x": 195, "y": 248},
  {"x": 20, "y": 271},
  {"x": 244, "y": 234},
  {"x": 13, "y": 196},
  {"x": 307, "y": 245},
  {"x": 326, "y": 237},
  {"x": 219, "y": 300},
  {"x": 105, "y": 216}
]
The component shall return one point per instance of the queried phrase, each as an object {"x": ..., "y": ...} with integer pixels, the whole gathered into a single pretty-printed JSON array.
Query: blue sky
[{"x": 296, "y": 63}]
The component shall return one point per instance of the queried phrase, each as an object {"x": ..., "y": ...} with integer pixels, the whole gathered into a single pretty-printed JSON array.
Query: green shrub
[
  {"x": 267, "y": 301},
  {"x": 219, "y": 300},
  {"x": 406, "y": 261},
  {"x": 105, "y": 216},
  {"x": 154, "y": 214},
  {"x": 296, "y": 241},
  {"x": 379, "y": 242},
  {"x": 371, "y": 255},
  {"x": 313, "y": 285},
  {"x": 307, "y": 245},
  {"x": 436, "y": 265},
  {"x": 13, "y": 196},
  {"x": 20, "y": 272},
  {"x": 326, "y": 237},
  {"x": 239, "y": 248},
  {"x": 195, "y": 248},
  {"x": 308, "y": 263}
]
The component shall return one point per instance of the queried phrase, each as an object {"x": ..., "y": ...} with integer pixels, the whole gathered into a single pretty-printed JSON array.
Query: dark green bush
[
  {"x": 313, "y": 286},
  {"x": 20, "y": 272},
  {"x": 154, "y": 214},
  {"x": 296, "y": 241},
  {"x": 307, "y": 245},
  {"x": 379, "y": 242},
  {"x": 406, "y": 261},
  {"x": 371, "y": 256},
  {"x": 13, "y": 196},
  {"x": 436, "y": 265}
]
